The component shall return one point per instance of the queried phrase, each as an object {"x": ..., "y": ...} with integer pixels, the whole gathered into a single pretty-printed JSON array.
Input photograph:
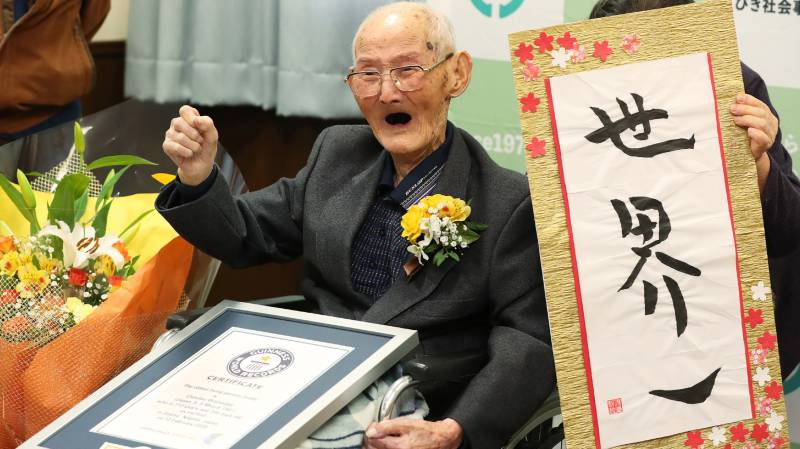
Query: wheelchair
[{"x": 543, "y": 430}]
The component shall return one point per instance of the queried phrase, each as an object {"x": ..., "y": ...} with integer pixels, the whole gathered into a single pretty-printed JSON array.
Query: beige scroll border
[{"x": 668, "y": 32}]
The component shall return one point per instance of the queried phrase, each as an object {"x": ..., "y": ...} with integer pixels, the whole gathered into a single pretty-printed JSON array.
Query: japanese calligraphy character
[
  {"x": 784, "y": 7},
  {"x": 645, "y": 229},
  {"x": 769, "y": 6},
  {"x": 695, "y": 394},
  {"x": 754, "y": 5},
  {"x": 613, "y": 130},
  {"x": 741, "y": 4}
]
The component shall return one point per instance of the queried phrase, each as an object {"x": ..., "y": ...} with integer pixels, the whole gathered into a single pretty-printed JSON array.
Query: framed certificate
[{"x": 241, "y": 376}]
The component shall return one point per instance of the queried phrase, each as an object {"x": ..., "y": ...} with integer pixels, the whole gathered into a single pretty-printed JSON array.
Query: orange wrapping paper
[{"x": 39, "y": 384}]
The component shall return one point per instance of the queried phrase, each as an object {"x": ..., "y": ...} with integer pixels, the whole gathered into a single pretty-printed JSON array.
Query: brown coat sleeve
[{"x": 93, "y": 13}]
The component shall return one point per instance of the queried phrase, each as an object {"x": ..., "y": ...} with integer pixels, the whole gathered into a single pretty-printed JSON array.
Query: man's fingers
[
  {"x": 184, "y": 140},
  {"x": 759, "y": 141},
  {"x": 750, "y": 121},
  {"x": 743, "y": 98},
  {"x": 746, "y": 109},
  {"x": 174, "y": 149},
  {"x": 203, "y": 123},
  {"x": 180, "y": 125},
  {"x": 393, "y": 427},
  {"x": 177, "y": 160},
  {"x": 188, "y": 113}
]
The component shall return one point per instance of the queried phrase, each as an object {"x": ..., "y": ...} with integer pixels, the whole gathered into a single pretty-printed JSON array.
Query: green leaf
[
  {"x": 120, "y": 159},
  {"x": 68, "y": 191},
  {"x": 80, "y": 142},
  {"x": 453, "y": 255},
  {"x": 477, "y": 227},
  {"x": 4, "y": 229},
  {"x": 439, "y": 258},
  {"x": 468, "y": 235},
  {"x": 16, "y": 198},
  {"x": 30, "y": 200},
  {"x": 136, "y": 221},
  {"x": 108, "y": 185},
  {"x": 100, "y": 220},
  {"x": 128, "y": 237},
  {"x": 130, "y": 270},
  {"x": 26, "y": 190},
  {"x": 80, "y": 205}
]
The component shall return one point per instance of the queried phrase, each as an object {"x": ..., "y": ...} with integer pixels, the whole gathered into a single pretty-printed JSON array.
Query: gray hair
[{"x": 440, "y": 30}]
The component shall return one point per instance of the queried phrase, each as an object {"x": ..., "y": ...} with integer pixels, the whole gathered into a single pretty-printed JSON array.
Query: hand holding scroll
[{"x": 762, "y": 126}]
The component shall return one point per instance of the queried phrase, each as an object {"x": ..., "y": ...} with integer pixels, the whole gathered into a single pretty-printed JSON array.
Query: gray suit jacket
[{"x": 492, "y": 300}]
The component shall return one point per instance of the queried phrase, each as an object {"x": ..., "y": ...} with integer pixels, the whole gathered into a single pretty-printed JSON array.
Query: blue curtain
[{"x": 291, "y": 55}]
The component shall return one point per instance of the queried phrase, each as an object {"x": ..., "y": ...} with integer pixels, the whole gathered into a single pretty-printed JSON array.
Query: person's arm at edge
[
  {"x": 780, "y": 196},
  {"x": 252, "y": 228}
]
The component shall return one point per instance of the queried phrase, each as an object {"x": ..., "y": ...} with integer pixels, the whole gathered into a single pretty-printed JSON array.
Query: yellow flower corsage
[{"x": 436, "y": 227}]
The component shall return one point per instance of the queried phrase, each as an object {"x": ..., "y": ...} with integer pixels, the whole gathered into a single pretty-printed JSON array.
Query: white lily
[
  {"x": 80, "y": 244},
  {"x": 419, "y": 253}
]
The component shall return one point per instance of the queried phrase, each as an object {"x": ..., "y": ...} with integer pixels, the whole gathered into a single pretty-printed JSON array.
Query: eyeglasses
[{"x": 407, "y": 79}]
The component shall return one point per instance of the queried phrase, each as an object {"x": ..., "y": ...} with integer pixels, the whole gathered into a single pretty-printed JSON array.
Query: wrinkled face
[{"x": 407, "y": 124}]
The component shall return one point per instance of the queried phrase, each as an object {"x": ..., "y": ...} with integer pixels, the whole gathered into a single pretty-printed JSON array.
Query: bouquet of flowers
[
  {"x": 54, "y": 278},
  {"x": 75, "y": 305},
  {"x": 436, "y": 227}
]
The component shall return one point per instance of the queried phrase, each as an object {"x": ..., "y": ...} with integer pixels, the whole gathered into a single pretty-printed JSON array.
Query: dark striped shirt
[{"x": 379, "y": 251}]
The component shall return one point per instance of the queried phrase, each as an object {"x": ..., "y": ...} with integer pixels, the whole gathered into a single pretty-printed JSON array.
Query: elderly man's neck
[{"x": 406, "y": 163}]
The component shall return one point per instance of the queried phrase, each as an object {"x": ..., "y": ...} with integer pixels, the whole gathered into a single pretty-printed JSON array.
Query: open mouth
[{"x": 398, "y": 118}]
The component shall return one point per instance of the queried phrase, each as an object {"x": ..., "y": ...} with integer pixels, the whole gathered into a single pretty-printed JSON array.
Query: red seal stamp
[{"x": 614, "y": 406}]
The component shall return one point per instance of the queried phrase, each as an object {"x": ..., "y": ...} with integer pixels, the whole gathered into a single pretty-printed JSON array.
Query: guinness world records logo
[{"x": 261, "y": 362}]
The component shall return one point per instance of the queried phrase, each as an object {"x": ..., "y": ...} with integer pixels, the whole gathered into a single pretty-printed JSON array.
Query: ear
[{"x": 460, "y": 73}]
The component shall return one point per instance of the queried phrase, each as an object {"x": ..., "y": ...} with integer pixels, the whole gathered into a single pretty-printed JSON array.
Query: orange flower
[
  {"x": 16, "y": 325},
  {"x": 119, "y": 246},
  {"x": 7, "y": 244}
]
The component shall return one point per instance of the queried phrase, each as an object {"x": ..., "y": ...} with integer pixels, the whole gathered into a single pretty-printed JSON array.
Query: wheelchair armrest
[
  {"x": 430, "y": 371},
  {"x": 179, "y": 320},
  {"x": 445, "y": 367}
]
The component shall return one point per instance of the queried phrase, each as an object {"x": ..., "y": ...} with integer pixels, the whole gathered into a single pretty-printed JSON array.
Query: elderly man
[{"x": 342, "y": 212}]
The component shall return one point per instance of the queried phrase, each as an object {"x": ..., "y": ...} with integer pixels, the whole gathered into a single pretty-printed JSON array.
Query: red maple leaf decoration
[
  {"x": 544, "y": 42},
  {"x": 773, "y": 390},
  {"x": 602, "y": 50},
  {"x": 739, "y": 432},
  {"x": 759, "y": 432},
  {"x": 754, "y": 317},
  {"x": 524, "y": 52},
  {"x": 728, "y": 446},
  {"x": 536, "y": 147},
  {"x": 529, "y": 103},
  {"x": 778, "y": 442},
  {"x": 567, "y": 41},
  {"x": 767, "y": 340},
  {"x": 694, "y": 440}
]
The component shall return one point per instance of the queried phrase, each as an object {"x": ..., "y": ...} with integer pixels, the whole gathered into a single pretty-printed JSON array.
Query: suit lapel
[
  {"x": 345, "y": 212},
  {"x": 404, "y": 293}
]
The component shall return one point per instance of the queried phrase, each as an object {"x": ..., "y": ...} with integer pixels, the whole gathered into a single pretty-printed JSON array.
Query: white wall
[{"x": 115, "y": 27}]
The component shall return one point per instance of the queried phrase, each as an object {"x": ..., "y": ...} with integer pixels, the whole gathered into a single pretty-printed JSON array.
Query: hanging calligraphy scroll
[{"x": 649, "y": 224}]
